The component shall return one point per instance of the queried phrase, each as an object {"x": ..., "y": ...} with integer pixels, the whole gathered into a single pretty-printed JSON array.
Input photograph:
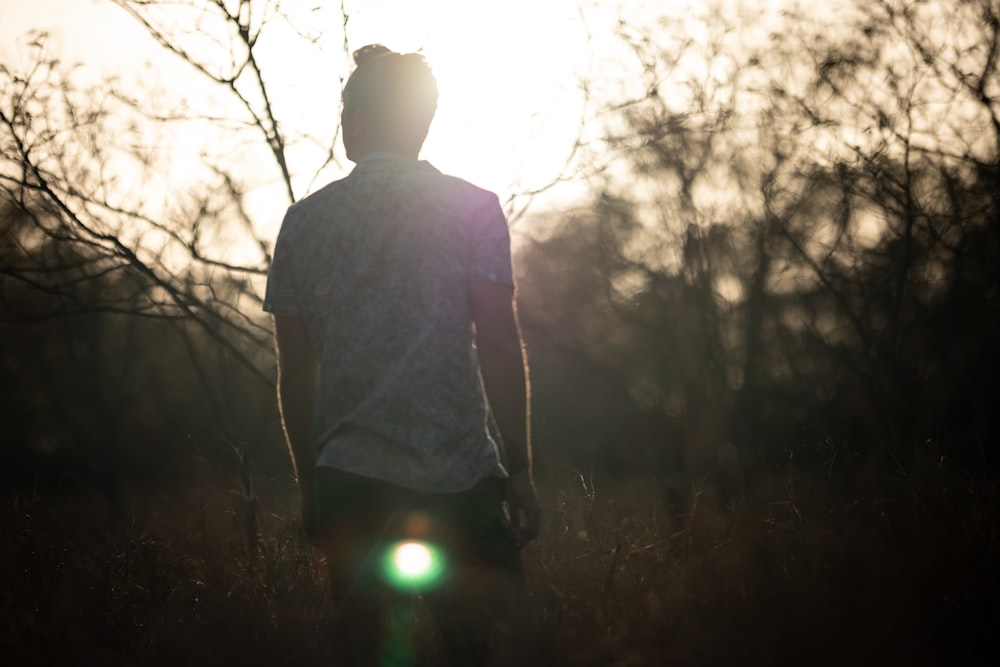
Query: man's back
[
  {"x": 380, "y": 266},
  {"x": 377, "y": 283}
]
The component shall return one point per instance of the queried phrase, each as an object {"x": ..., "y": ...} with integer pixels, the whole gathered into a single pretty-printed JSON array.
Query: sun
[{"x": 509, "y": 77}]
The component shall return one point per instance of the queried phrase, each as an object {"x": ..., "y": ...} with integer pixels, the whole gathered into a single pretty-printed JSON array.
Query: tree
[
  {"x": 807, "y": 208},
  {"x": 134, "y": 257}
]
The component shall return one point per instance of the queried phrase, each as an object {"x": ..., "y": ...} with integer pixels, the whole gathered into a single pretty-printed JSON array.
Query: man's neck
[{"x": 408, "y": 154}]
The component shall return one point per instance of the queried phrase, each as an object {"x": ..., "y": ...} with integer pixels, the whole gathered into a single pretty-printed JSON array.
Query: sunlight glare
[
  {"x": 509, "y": 79},
  {"x": 413, "y": 565},
  {"x": 412, "y": 558}
]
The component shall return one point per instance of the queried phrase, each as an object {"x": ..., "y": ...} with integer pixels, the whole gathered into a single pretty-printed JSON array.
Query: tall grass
[{"x": 857, "y": 565}]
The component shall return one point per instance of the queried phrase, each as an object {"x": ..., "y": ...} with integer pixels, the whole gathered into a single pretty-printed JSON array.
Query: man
[{"x": 392, "y": 296}]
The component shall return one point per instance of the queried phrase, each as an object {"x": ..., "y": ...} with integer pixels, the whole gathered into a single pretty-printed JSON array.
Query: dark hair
[{"x": 392, "y": 86}]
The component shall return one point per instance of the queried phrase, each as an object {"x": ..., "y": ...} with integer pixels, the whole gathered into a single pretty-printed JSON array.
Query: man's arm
[
  {"x": 297, "y": 375},
  {"x": 505, "y": 378}
]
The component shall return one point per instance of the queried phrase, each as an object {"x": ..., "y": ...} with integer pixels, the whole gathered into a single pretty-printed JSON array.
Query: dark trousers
[{"x": 480, "y": 585}]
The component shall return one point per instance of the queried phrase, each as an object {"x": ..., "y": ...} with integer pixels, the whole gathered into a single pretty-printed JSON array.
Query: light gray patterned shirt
[{"x": 380, "y": 264}]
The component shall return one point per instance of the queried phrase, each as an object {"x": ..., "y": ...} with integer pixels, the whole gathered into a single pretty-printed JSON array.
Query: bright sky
[{"x": 508, "y": 71}]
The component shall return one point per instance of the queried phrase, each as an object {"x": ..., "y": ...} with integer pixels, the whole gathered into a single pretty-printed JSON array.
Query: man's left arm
[{"x": 297, "y": 375}]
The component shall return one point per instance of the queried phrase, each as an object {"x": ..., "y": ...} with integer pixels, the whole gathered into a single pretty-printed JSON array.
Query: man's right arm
[{"x": 505, "y": 378}]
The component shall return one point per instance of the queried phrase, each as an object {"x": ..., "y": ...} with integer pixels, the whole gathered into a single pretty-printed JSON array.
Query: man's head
[{"x": 389, "y": 102}]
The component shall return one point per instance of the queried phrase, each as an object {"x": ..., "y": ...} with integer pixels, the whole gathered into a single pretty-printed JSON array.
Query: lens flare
[
  {"x": 413, "y": 565},
  {"x": 412, "y": 559}
]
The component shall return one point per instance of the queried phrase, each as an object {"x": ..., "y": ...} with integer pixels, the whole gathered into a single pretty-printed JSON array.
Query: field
[{"x": 862, "y": 566}]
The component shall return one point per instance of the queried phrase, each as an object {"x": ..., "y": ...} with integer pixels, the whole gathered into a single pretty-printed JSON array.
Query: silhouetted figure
[{"x": 392, "y": 293}]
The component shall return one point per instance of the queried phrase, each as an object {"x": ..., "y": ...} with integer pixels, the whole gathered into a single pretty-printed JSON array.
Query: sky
[{"x": 509, "y": 72}]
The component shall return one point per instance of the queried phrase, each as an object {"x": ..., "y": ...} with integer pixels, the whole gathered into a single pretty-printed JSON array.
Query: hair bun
[{"x": 370, "y": 53}]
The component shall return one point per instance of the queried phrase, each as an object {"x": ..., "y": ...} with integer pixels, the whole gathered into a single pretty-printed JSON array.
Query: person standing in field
[{"x": 393, "y": 301}]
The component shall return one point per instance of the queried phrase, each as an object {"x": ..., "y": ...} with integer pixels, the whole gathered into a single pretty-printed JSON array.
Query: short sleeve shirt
[{"x": 380, "y": 265}]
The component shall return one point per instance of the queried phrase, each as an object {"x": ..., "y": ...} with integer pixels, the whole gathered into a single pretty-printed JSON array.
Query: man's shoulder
[
  {"x": 463, "y": 185},
  {"x": 462, "y": 192},
  {"x": 320, "y": 197}
]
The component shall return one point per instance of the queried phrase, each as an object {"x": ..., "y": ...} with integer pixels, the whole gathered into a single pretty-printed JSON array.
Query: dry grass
[{"x": 856, "y": 568}]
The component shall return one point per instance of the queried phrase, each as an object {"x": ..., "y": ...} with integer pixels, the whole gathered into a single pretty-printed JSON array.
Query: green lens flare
[{"x": 413, "y": 565}]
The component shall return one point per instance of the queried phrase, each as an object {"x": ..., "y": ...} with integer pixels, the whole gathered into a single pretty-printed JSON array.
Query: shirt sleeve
[
  {"x": 490, "y": 257},
  {"x": 282, "y": 296}
]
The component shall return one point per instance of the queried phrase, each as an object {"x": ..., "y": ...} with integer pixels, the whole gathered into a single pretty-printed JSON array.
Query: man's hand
[{"x": 524, "y": 509}]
